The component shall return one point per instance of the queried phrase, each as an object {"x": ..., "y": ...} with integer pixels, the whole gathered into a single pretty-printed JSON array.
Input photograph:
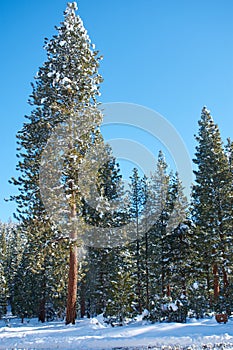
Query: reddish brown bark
[
  {"x": 73, "y": 263},
  {"x": 72, "y": 286},
  {"x": 168, "y": 290}
]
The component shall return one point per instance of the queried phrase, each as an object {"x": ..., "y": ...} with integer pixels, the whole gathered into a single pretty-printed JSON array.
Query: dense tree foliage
[{"x": 213, "y": 212}]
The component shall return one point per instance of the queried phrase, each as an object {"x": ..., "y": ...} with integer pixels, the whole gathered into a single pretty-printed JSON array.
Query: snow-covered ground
[{"x": 93, "y": 334}]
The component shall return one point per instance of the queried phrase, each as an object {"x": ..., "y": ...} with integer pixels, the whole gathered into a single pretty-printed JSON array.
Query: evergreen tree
[
  {"x": 122, "y": 303},
  {"x": 15, "y": 241},
  {"x": 105, "y": 207},
  {"x": 39, "y": 282},
  {"x": 177, "y": 252},
  {"x": 145, "y": 244},
  {"x": 98, "y": 277},
  {"x": 65, "y": 89},
  {"x": 137, "y": 201},
  {"x": 107, "y": 220},
  {"x": 3, "y": 277},
  {"x": 229, "y": 154},
  {"x": 212, "y": 211},
  {"x": 158, "y": 201},
  {"x": 167, "y": 230}
]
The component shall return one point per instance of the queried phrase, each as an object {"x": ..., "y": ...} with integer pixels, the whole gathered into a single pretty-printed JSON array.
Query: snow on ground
[{"x": 93, "y": 334}]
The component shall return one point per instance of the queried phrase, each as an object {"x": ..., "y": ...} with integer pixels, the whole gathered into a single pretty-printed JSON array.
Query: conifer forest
[{"x": 154, "y": 252}]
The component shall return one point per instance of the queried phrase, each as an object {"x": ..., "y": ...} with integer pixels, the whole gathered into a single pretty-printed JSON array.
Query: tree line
[{"x": 152, "y": 250}]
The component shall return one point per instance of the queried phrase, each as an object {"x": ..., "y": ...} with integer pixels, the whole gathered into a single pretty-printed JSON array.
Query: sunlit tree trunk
[{"x": 73, "y": 265}]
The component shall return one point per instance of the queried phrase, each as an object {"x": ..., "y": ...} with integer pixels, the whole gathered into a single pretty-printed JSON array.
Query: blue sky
[{"x": 172, "y": 56}]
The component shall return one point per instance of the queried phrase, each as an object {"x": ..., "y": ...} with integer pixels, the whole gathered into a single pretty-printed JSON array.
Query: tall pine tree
[
  {"x": 212, "y": 211},
  {"x": 137, "y": 201},
  {"x": 65, "y": 89},
  {"x": 3, "y": 277}
]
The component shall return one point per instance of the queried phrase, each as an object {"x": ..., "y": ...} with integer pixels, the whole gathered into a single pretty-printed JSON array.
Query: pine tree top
[{"x": 72, "y": 6}]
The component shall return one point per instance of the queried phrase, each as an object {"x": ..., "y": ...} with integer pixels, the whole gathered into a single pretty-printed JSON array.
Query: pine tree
[
  {"x": 137, "y": 201},
  {"x": 64, "y": 91},
  {"x": 97, "y": 280},
  {"x": 15, "y": 244},
  {"x": 3, "y": 277},
  {"x": 107, "y": 219},
  {"x": 229, "y": 154},
  {"x": 178, "y": 253},
  {"x": 212, "y": 210},
  {"x": 158, "y": 201},
  {"x": 105, "y": 206},
  {"x": 122, "y": 303},
  {"x": 145, "y": 243},
  {"x": 39, "y": 278},
  {"x": 166, "y": 232}
]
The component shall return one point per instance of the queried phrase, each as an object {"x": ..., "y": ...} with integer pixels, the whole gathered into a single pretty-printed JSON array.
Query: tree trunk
[
  {"x": 72, "y": 286},
  {"x": 73, "y": 263},
  {"x": 168, "y": 290},
  {"x": 83, "y": 308},
  {"x": 41, "y": 316},
  {"x": 42, "y": 311}
]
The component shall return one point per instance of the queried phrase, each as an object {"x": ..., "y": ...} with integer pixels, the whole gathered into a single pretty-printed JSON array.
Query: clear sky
[{"x": 173, "y": 56}]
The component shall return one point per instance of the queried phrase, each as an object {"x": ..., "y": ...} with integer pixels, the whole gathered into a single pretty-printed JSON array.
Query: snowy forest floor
[{"x": 93, "y": 334}]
